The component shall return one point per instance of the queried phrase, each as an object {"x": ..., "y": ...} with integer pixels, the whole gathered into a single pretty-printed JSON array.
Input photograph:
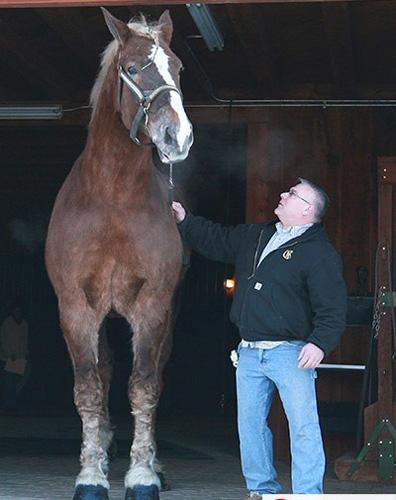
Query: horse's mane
[{"x": 138, "y": 25}]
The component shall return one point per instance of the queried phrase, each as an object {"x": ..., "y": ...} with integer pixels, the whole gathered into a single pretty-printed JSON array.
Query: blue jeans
[{"x": 259, "y": 373}]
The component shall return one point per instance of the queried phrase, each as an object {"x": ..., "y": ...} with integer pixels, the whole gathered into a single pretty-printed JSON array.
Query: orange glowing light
[{"x": 229, "y": 284}]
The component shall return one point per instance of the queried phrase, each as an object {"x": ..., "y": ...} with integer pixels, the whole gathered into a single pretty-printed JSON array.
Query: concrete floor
[{"x": 39, "y": 460}]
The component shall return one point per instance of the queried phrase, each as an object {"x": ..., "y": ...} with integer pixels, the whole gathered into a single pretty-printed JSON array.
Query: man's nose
[{"x": 283, "y": 195}]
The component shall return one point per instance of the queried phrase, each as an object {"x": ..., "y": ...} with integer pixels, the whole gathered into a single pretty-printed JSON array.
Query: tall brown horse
[{"x": 113, "y": 244}]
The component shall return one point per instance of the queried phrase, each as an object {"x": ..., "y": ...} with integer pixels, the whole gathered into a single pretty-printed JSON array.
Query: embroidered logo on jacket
[{"x": 287, "y": 254}]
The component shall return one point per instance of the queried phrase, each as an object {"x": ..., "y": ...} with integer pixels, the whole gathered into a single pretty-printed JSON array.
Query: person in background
[
  {"x": 13, "y": 357},
  {"x": 290, "y": 307}
]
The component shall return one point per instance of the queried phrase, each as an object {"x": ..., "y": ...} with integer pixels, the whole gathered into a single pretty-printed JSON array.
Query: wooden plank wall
[{"x": 338, "y": 149}]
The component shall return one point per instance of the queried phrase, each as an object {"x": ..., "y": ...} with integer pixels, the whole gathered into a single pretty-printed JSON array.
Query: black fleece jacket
[{"x": 296, "y": 293}]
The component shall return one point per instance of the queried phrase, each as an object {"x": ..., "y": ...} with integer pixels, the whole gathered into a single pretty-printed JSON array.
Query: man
[{"x": 290, "y": 307}]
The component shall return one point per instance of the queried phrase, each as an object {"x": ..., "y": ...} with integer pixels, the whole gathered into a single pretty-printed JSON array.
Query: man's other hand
[
  {"x": 178, "y": 211},
  {"x": 310, "y": 356}
]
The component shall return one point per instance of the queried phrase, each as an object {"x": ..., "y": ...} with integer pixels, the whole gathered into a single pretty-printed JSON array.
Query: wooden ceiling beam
[
  {"x": 253, "y": 31},
  {"x": 74, "y": 32},
  {"x": 337, "y": 24},
  {"x": 28, "y": 59},
  {"x": 109, "y": 3},
  {"x": 28, "y": 66}
]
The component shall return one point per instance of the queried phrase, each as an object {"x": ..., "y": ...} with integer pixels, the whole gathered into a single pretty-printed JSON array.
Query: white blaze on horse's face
[{"x": 172, "y": 138}]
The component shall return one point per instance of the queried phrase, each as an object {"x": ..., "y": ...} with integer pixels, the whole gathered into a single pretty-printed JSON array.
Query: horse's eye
[
  {"x": 132, "y": 70},
  {"x": 182, "y": 68}
]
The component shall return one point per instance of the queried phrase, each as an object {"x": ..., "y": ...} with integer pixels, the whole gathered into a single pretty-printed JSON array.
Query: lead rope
[{"x": 171, "y": 185}]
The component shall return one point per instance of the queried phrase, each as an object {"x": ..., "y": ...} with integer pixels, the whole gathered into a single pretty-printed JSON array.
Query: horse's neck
[{"x": 110, "y": 155}]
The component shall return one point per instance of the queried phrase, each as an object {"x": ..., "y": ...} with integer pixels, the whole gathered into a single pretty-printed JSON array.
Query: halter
[{"x": 145, "y": 99}]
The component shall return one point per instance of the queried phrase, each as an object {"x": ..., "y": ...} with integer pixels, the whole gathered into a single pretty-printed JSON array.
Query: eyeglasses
[{"x": 292, "y": 192}]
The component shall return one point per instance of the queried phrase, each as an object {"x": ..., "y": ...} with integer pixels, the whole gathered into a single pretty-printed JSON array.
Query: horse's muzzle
[{"x": 170, "y": 150}]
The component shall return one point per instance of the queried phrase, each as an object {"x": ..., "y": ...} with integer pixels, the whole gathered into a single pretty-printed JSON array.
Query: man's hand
[
  {"x": 178, "y": 211},
  {"x": 310, "y": 356}
]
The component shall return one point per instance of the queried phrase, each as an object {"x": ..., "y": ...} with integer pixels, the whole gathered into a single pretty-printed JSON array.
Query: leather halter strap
[{"x": 145, "y": 98}]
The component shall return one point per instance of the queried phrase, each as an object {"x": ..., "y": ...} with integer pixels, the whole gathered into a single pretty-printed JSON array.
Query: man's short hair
[{"x": 322, "y": 200}]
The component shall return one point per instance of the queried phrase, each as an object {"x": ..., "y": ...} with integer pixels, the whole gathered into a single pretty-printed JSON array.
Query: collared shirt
[{"x": 279, "y": 238}]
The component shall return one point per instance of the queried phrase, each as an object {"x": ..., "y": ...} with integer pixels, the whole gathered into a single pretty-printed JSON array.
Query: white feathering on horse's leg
[
  {"x": 106, "y": 436},
  {"x": 141, "y": 475},
  {"x": 142, "y": 469},
  {"x": 143, "y": 450},
  {"x": 92, "y": 476},
  {"x": 93, "y": 456}
]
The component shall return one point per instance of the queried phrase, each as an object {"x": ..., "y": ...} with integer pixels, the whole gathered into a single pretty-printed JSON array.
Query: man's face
[{"x": 296, "y": 204}]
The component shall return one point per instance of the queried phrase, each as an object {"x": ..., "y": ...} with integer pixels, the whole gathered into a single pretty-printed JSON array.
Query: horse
[{"x": 113, "y": 245}]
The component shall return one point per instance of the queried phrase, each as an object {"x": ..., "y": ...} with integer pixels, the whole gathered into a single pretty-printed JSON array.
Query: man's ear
[{"x": 309, "y": 211}]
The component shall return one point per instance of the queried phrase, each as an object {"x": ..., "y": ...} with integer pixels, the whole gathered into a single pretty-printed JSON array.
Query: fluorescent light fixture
[
  {"x": 30, "y": 112},
  {"x": 206, "y": 25}
]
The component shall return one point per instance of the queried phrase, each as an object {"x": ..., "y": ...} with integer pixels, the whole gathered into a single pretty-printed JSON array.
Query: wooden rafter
[
  {"x": 337, "y": 25},
  {"x": 253, "y": 33},
  {"x": 30, "y": 61},
  {"x": 87, "y": 3},
  {"x": 74, "y": 32}
]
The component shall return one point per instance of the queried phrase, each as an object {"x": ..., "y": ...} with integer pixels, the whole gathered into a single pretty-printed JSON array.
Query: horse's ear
[
  {"x": 166, "y": 26},
  {"x": 118, "y": 29}
]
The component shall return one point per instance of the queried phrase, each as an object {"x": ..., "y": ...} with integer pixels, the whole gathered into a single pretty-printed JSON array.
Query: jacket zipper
[
  {"x": 256, "y": 255},
  {"x": 285, "y": 245}
]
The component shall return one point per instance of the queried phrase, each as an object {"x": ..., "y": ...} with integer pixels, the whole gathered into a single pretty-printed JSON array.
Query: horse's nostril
[{"x": 169, "y": 138}]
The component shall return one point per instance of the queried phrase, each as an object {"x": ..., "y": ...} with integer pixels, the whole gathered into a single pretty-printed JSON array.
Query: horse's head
[{"x": 149, "y": 96}]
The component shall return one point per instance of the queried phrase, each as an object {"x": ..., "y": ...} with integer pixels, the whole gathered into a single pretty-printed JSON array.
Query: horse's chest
[{"x": 146, "y": 245}]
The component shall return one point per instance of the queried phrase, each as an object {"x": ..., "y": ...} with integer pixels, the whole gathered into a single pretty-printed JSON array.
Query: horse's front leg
[
  {"x": 82, "y": 340},
  {"x": 151, "y": 344}
]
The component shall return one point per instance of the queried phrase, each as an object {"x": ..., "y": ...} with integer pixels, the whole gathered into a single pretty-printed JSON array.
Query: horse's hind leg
[
  {"x": 80, "y": 327},
  {"x": 105, "y": 371},
  {"x": 151, "y": 341}
]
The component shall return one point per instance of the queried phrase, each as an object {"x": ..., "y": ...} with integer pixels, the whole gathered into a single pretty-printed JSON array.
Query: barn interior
[{"x": 293, "y": 89}]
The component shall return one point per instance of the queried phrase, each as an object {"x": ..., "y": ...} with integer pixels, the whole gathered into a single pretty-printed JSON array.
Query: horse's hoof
[
  {"x": 90, "y": 492},
  {"x": 165, "y": 484},
  {"x": 140, "y": 492}
]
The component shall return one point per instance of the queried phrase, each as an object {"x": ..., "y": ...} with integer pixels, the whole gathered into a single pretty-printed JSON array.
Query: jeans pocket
[{"x": 296, "y": 343}]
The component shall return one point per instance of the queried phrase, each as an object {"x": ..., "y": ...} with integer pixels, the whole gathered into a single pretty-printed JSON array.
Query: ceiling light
[
  {"x": 206, "y": 25},
  {"x": 30, "y": 112}
]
